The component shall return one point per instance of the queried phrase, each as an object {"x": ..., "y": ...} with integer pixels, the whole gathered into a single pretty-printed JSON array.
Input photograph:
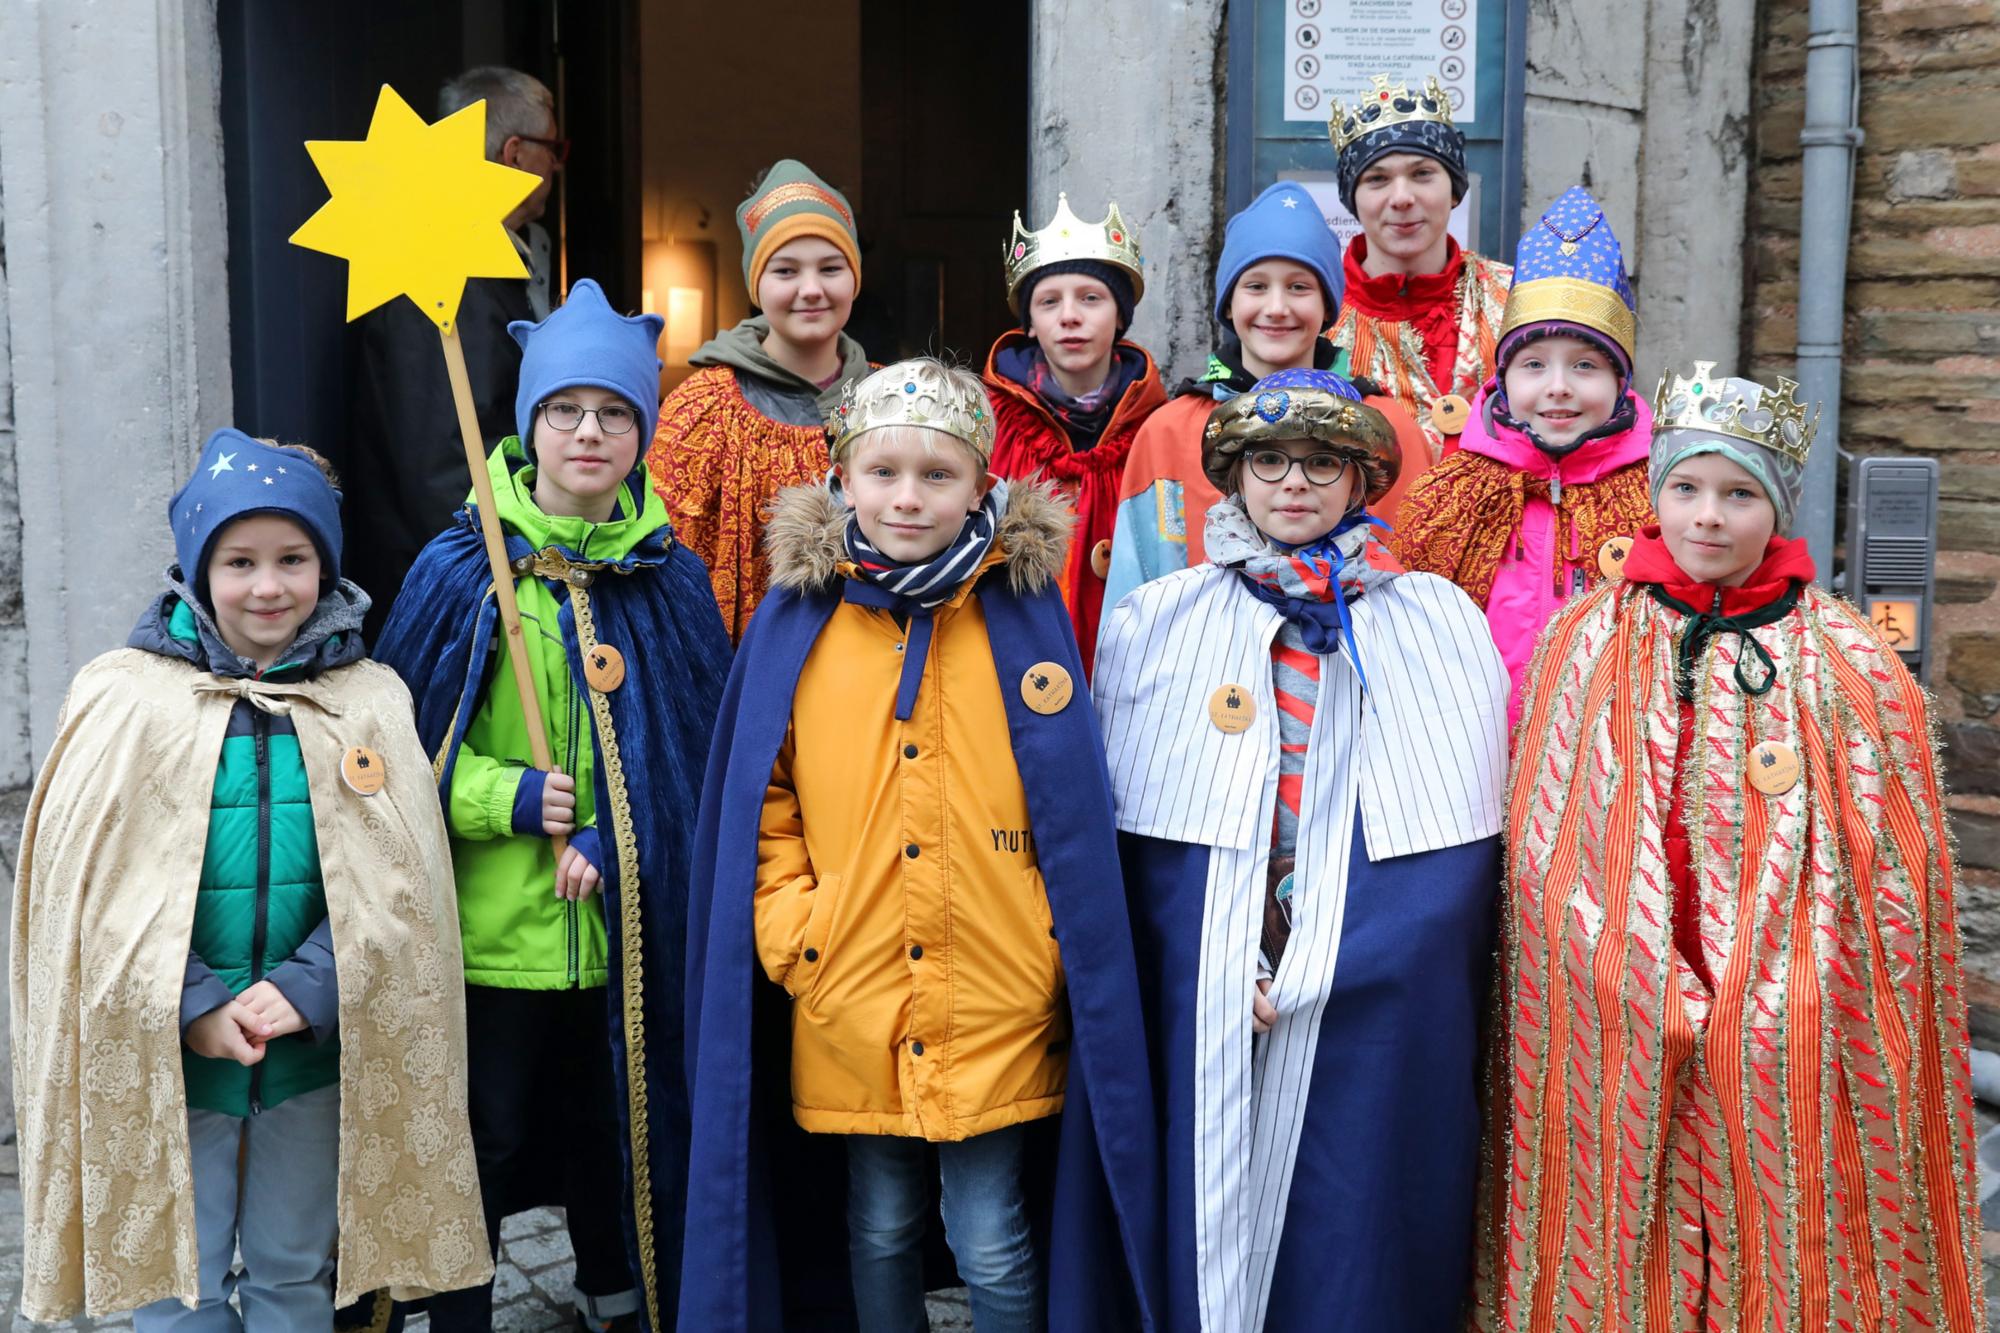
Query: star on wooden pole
[{"x": 415, "y": 210}]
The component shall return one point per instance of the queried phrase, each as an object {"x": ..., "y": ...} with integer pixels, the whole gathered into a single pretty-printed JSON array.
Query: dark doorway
[
  {"x": 293, "y": 72},
  {"x": 944, "y": 112}
]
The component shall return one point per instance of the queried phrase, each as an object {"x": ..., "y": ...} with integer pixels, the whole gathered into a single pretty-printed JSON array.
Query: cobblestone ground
[{"x": 531, "y": 1291}]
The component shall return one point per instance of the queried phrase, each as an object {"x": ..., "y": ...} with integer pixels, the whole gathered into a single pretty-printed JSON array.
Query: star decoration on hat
[
  {"x": 416, "y": 209},
  {"x": 222, "y": 465},
  {"x": 1291, "y": 201}
]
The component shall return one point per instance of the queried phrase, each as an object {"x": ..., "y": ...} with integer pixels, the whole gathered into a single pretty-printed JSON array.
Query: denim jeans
[
  {"x": 985, "y": 1222},
  {"x": 283, "y": 1218}
]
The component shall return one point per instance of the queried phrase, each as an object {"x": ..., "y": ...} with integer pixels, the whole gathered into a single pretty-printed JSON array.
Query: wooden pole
[{"x": 496, "y": 555}]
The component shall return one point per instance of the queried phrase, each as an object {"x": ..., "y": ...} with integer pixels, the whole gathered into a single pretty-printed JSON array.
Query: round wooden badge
[
  {"x": 604, "y": 668},
  {"x": 1100, "y": 558},
  {"x": 1450, "y": 412},
  {"x": 361, "y": 769},
  {"x": 1774, "y": 767},
  {"x": 1047, "y": 688},
  {"x": 1232, "y": 709},
  {"x": 1612, "y": 555}
]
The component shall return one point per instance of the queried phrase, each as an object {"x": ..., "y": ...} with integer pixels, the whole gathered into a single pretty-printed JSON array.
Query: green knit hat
[{"x": 788, "y": 203}]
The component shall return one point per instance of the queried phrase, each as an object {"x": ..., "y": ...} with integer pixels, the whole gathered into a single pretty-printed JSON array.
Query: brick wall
[{"x": 1923, "y": 347}]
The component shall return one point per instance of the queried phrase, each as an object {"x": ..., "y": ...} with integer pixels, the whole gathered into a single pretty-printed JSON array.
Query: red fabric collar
[
  {"x": 1401, "y": 297},
  {"x": 1785, "y": 559}
]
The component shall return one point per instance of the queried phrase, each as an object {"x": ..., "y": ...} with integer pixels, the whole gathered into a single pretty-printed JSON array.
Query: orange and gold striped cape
[
  {"x": 718, "y": 463},
  {"x": 1793, "y": 1151}
]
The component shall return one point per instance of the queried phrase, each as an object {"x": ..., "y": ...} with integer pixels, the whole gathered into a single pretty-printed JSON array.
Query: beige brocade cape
[{"x": 103, "y": 908}]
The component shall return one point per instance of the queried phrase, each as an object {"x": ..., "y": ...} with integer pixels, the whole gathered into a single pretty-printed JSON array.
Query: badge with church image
[
  {"x": 361, "y": 769},
  {"x": 1047, "y": 688},
  {"x": 1774, "y": 768},
  {"x": 604, "y": 668},
  {"x": 1231, "y": 709}
]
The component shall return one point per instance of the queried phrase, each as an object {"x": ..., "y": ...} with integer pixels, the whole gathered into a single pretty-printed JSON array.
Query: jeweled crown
[
  {"x": 1383, "y": 106},
  {"x": 1774, "y": 419},
  {"x": 918, "y": 392},
  {"x": 1069, "y": 237}
]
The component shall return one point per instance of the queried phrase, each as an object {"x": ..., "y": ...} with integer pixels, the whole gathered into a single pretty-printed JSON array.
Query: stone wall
[{"x": 1923, "y": 348}]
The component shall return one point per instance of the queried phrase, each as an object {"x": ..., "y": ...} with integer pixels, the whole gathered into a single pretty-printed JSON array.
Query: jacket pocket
[
  {"x": 1038, "y": 906},
  {"x": 812, "y": 949}
]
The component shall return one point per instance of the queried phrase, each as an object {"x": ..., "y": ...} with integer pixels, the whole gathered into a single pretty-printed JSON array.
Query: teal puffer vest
[{"x": 261, "y": 895}]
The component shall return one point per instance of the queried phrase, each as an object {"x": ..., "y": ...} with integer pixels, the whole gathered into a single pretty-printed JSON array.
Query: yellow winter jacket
[{"x": 899, "y": 901}]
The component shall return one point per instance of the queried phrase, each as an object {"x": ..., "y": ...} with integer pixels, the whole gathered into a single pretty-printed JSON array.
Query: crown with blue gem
[
  {"x": 1570, "y": 269},
  {"x": 1069, "y": 237},
  {"x": 921, "y": 392}
]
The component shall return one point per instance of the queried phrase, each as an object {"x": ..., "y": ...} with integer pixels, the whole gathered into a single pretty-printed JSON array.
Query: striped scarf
[{"x": 913, "y": 591}]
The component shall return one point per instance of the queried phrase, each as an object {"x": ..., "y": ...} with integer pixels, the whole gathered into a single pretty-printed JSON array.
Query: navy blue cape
[
  {"x": 765, "y": 1248},
  {"x": 657, "y": 607}
]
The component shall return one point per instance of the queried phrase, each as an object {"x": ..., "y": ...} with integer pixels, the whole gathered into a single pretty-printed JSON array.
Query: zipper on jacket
[{"x": 260, "y": 729}]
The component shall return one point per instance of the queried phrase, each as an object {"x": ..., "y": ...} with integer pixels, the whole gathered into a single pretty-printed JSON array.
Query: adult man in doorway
[
  {"x": 406, "y": 470},
  {"x": 1420, "y": 314}
]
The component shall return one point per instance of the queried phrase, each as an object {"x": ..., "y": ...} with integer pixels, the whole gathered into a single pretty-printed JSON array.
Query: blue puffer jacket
[{"x": 261, "y": 910}]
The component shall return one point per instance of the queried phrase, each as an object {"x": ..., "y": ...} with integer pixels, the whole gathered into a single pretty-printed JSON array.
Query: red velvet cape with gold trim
[{"x": 1793, "y": 1150}]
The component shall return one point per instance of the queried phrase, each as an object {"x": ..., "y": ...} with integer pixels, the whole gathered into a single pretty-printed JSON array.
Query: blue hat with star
[
  {"x": 238, "y": 477},
  {"x": 1281, "y": 223},
  {"x": 1569, "y": 277}
]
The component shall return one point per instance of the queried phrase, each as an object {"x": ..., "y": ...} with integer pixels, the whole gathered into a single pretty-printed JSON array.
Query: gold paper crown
[
  {"x": 919, "y": 392},
  {"x": 1069, "y": 237},
  {"x": 1774, "y": 419},
  {"x": 1385, "y": 106}
]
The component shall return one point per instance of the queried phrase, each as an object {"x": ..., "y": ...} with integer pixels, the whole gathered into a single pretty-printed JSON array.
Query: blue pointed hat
[
  {"x": 585, "y": 342},
  {"x": 1569, "y": 275}
]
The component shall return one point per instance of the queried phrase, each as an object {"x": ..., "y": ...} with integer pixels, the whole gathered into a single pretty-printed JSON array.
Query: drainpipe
[{"x": 1829, "y": 140}]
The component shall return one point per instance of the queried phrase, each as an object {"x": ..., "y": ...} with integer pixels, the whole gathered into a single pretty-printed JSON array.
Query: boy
[
  {"x": 1548, "y": 485},
  {"x": 1069, "y": 392},
  {"x": 1310, "y": 815},
  {"x": 572, "y": 964},
  {"x": 906, "y": 830},
  {"x": 1734, "y": 1023},
  {"x": 235, "y": 810}
]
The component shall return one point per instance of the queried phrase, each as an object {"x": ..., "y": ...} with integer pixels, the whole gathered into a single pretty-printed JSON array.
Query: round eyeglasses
[
  {"x": 1272, "y": 466},
  {"x": 612, "y": 418}
]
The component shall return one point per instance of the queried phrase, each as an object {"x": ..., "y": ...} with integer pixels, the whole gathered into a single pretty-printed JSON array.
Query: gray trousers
[{"x": 282, "y": 1218}]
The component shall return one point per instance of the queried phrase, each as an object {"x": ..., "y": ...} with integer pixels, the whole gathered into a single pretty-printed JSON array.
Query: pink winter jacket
[{"x": 1524, "y": 597}]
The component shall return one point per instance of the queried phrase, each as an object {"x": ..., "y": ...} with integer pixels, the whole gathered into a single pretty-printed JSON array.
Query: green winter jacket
[{"x": 517, "y": 933}]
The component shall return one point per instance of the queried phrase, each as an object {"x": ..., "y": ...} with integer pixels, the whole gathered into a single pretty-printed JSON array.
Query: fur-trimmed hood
[{"x": 805, "y": 537}]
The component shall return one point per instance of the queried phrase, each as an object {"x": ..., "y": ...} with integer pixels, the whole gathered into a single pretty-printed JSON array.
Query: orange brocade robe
[
  {"x": 717, "y": 462},
  {"x": 1790, "y": 1149}
]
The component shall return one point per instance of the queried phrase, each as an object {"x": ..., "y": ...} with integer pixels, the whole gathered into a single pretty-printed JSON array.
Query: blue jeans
[
  {"x": 985, "y": 1222},
  {"x": 282, "y": 1216}
]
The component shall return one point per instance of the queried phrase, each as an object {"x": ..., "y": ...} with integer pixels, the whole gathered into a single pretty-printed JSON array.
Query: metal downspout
[{"x": 1831, "y": 135}]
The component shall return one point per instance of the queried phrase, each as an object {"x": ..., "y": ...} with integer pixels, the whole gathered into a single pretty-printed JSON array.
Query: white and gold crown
[
  {"x": 1384, "y": 106},
  {"x": 1771, "y": 418},
  {"x": 918, "y": 392},
  {"x": 1069, "y": 237}
]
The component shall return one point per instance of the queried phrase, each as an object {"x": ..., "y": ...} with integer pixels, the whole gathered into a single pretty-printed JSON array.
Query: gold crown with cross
[
  {"x": 1382, "y": 106},
  {"x": 1069, "y": 237},
  {"x": 1770, "y": 418}
]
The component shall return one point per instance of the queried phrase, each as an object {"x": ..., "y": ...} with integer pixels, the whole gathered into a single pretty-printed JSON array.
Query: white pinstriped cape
[{"x": 1421, "y": 762}]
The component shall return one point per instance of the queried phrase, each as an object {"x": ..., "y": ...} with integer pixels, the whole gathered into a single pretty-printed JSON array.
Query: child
[
  {"x": 1069, "y": 393},
  {"x": 234, "y": 810},
  {"x": 573, "y": 1006},
  {"x": 906, "y": 828},
  {"x": 751, "y": 420},
  {"x": 1307, "y": 754},
  {"x": 1277, "y": 287},
  {"x": 1734, "y": 1030},
  {"x": 1548, "y": 485}
]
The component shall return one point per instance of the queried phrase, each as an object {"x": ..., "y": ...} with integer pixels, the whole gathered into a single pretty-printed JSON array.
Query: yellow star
[{"x": 416, "y": 209}]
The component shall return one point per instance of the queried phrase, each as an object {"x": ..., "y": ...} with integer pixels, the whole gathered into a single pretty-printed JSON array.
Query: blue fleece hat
[
  {"x": 237, "y": 477},
  {"x": 585, "y": 342},
  {"x": 1281, "y": 223}
]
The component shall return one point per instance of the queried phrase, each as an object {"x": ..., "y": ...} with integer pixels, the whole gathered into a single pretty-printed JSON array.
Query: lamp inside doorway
[{"x": 679, "y": 285}]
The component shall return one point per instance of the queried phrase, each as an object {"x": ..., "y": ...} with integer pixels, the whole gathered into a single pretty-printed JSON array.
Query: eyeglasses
[
  {"x": 612, "y": 419},
  {"x": 558, "y": 148},
  {"x": 1274, "y": 465}
]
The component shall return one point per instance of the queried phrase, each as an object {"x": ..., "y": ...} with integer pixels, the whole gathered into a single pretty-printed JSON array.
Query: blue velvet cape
[
  {"x": 657, "y": 607},
  {"x": 765, "y": 1229},
  {"x": 1379, "y": 1228}
]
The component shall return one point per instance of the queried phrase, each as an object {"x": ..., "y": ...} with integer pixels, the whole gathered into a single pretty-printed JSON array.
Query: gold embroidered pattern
[{"x": 631, "y": 961}]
